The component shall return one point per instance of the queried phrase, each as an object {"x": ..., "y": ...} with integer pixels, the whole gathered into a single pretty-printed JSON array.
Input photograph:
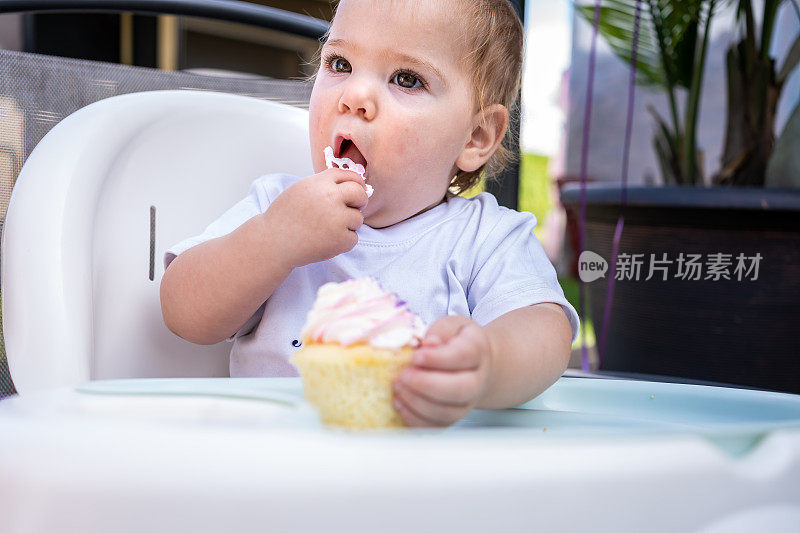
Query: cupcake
[{"x": 356, "y": 340}]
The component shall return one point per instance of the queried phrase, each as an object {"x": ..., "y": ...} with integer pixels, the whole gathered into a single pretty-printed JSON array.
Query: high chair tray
[
  {"x": 207, "y": 455},
  {"x": 572, "y": 406}
]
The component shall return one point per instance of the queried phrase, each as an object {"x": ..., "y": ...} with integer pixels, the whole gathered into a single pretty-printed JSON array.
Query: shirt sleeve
[
  {"x": 262, "y": 192},
  {"x": 512, "y": 271}
]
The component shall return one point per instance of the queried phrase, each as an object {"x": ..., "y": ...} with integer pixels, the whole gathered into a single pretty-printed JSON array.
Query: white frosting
[
  {"x": 359, "y": 310},
  {"x": 345, "y": 163}
]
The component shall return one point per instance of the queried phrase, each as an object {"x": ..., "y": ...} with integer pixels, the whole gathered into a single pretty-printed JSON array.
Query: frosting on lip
[
  {"x": 346, "y": 164},
  {"x": 360, "y": 311}
]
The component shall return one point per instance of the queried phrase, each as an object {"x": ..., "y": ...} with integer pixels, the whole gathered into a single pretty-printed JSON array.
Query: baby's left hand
[{"x": 448, "y": 374}]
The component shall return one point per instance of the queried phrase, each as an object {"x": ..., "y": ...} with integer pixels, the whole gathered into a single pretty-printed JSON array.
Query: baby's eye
[
  {"x": 407, "y": 80},
  {"x": 340, "y": 64}
]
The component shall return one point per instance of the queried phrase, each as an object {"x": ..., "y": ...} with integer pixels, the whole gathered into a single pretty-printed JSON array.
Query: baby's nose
[{"x": 359, "y": 97}]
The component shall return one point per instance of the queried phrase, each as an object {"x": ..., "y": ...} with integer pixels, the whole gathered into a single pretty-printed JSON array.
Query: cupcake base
[{"x": 352, "y": 386}]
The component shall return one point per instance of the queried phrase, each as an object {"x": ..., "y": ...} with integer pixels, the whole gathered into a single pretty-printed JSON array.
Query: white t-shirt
[{"x": 466, "y": 257}]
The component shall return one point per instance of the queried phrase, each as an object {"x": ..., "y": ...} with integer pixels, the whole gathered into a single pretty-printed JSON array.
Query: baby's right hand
[{"x": 318, "y": 216}]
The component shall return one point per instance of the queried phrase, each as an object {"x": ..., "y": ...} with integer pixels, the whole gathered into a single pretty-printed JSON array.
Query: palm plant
[
  {"x": 671, "y": 55},
  {"x": 754, "y": 90}
]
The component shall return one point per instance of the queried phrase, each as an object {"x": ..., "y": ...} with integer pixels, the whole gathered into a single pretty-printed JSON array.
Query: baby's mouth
[{"x": 347, "y": 148}]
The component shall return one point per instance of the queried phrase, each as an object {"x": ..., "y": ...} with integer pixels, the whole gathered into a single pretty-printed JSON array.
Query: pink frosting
[{"x": 359, "y": 310}]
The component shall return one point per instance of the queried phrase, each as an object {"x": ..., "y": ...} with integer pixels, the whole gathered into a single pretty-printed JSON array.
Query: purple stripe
[
  {"x": 601, "y": 344},
  {"x": 587, "y": 121},
  {"x": 624, "y": 192}
]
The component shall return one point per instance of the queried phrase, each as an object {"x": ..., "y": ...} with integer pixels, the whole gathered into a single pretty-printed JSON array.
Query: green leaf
[
  {"x": 667, "y": 152},
  {"x": 668, "y": 36},
  {"x": 783, "y": 169},
  {"x": 791, "y": 61},
  {"x": 616, "y": 26}
]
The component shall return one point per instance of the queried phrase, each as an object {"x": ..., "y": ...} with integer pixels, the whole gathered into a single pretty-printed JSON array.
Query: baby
[{"x": 417, "y": 92}]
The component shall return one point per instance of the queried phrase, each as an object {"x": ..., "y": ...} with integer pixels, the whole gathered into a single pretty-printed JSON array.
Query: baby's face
[{"x": 390, "y": 83}]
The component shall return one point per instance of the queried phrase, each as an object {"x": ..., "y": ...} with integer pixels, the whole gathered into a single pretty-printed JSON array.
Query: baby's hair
[
  {"x": 493, "y": 43},
  {"x": 494, "y": 40}
]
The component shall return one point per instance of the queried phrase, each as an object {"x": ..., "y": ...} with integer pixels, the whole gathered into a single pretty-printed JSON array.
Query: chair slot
[{"x": 152, "y": 242}]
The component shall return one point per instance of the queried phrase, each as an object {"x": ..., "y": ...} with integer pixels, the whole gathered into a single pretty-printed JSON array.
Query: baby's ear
[{"x": 488, "y": 129}]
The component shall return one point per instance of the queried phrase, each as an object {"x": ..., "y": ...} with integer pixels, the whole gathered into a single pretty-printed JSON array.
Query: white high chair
[
  {"x": 81, "y": 302},
  {"x": 99, "y": 200}
]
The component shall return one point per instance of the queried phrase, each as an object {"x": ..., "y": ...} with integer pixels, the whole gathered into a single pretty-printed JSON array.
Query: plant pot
[{"x": 742, "y": 330}]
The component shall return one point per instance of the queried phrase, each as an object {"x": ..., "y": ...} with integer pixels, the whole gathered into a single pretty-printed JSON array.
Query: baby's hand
[
  {"x": 448, "y": 374},
  {"x": 318, "y": 216}
]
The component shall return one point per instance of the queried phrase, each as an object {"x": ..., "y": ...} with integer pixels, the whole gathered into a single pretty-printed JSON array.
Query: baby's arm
[
  {"x": 210, "y": 291},
  {"x": 531, "y": 349},
  {"x": 462, "y": 365}
]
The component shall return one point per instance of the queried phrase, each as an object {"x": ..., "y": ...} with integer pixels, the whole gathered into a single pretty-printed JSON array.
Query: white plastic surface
[
  {"x": 78, "y": 303},
  {"x": 93, "y": 463}
]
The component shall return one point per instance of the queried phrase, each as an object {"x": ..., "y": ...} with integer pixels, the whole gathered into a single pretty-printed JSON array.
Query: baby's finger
[
  {"x": 354, "y": 219},
  {"x": 353, "y": 194},
  {"x": 424, "y": 410},
  {"x": 431, "y": 340},
  {"x": 458, "y": 354},
  {"x": 340, "y": 176},
  {"x": 445, "y": 328},
  {"x": 455, "y": 389},
  {"x": 411, "y": 418}
]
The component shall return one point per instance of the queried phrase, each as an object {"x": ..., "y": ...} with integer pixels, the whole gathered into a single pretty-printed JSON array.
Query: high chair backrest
[{"x": 96, "y": 205}]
